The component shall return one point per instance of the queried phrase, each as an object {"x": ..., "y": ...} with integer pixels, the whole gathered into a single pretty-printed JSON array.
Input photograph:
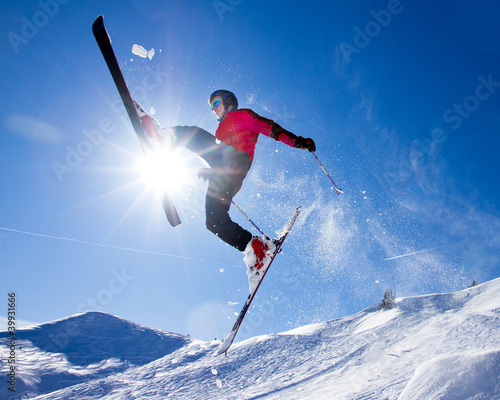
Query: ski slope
[{"x": 440, "y": 346}]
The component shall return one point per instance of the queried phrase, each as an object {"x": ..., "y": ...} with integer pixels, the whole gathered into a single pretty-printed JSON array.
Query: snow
[
  {"x": 376, "y": 319},
  {"x": 140, "y": 51},
  {"x": 306, "y": 330},
  {"x": 458, "y": 376},
  {"x": 439, "y": 346}
]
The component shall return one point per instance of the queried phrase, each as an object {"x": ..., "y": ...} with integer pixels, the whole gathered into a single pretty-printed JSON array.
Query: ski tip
[
  {"x": 219, "y": 352},
  {"x": 99, "y": 18},
  {"x": 98, "y": 24},
  {"x": 170, "y": 210},
  {"x": 226, "y": 344},
  {"x": 174, "y": 220}
]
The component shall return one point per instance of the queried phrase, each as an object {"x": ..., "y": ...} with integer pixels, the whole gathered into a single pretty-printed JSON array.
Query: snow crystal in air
[{"x": 140, "y": 51}]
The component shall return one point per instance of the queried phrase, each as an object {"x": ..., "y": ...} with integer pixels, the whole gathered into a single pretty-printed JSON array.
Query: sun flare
[{"x": 164, "y": 171}]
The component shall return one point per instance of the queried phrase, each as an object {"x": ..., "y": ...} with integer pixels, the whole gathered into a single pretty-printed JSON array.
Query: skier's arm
[{"x": 275, "y": 131}]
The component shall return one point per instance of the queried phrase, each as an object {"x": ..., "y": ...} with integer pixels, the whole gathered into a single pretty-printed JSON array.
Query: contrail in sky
[
  {"x": 108, "y": 246},
  {"x": 411, "y": 254}
]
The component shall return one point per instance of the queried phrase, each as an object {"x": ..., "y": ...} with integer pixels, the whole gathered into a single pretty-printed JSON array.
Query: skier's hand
[
  {"x": 204, "y": 174},
  {"x": 305, "y": 143}
]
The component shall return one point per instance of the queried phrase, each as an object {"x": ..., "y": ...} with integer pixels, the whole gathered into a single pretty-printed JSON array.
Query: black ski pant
[{"x": 228, "y": 169}]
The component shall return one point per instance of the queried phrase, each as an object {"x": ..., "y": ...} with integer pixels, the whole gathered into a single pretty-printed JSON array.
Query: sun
[{"x": 164, "y": 171}]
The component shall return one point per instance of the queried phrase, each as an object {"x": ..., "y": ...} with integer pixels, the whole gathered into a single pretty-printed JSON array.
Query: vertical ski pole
[
  {"x": 339, "y": 191},
  {"x": 247, "y": 217}
]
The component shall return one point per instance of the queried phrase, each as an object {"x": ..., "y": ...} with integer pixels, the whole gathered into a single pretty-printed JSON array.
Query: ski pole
[
  {"x": 339, "y": 191},
  {"x": 247, "y": 217}
]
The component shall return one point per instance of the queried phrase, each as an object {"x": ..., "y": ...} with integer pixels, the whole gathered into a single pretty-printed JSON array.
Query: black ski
[{"x": 104, "y": 42}]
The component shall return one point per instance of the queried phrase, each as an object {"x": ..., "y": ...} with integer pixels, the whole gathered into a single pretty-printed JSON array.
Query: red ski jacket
[{"x": 240, "y": 129}]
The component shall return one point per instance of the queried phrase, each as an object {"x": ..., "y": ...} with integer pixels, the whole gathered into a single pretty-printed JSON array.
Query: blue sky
[{"x": 401, "y": 98}]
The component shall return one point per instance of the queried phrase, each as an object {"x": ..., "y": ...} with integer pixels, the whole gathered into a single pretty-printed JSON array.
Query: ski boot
[
  {"x": 154, "y": 132},
  {"x": 258, "y": 255}
]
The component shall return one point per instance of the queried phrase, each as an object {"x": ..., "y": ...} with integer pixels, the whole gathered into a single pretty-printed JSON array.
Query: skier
[{"x": 229, "y": 154}]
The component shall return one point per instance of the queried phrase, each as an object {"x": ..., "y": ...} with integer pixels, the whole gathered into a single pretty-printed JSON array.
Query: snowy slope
[
  {"x": 81, "y": 348},
  {"x": 443, "y": 346}
]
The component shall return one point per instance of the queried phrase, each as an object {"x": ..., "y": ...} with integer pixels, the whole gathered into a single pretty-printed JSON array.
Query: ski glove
[{"x": 305, "y": 143}]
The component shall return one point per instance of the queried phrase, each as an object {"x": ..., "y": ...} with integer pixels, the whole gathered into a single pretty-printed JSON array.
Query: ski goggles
[{"x": 217, "y": 102}]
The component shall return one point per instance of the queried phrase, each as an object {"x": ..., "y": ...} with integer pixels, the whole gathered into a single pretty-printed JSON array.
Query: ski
[
  {"x": 228, "y": 341},
  {"x": 104, "y": 42}
]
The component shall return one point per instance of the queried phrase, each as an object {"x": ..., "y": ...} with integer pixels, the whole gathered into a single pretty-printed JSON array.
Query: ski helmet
[{"x": 228, "y": 98}]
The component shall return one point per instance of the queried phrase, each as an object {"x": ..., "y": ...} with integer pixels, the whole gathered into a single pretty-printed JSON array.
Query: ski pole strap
[
  {"x": 247, "y": 217},
  {"x": 339, "y": 191}
]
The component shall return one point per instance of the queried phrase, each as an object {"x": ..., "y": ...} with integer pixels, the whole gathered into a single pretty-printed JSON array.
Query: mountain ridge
[{"x": 372, "y": 354}]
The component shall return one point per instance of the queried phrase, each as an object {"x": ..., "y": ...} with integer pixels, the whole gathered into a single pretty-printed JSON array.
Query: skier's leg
[
  {"x": 229, "y": 168},
  {"x": 201, "y": 142},
  {"x": 222, "y": 188},
  {"x": 219, "y": 223}
]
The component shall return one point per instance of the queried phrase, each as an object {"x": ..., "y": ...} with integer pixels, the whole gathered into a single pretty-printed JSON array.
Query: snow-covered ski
[
  {"x": 228, "y": 341},
  {"x": 104, "y": 42}
]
